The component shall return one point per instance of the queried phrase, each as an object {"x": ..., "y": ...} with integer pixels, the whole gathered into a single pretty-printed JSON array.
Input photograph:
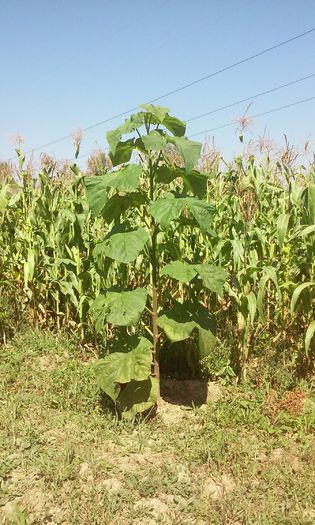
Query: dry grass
[{"x": 64, "y": 461}]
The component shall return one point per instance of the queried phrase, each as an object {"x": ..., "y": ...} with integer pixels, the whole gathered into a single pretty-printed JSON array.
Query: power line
[
  {"x": 255, "y": 116},
  {"x": 250, "y": 98},
  {"x": 177, "y": 90},
  {"x": 228, "y": 124},
  {"x": 235, "y": 64}
]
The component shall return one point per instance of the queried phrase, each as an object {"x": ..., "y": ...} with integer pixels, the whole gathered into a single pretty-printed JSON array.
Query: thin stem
[{"x": 154, "y": 281}]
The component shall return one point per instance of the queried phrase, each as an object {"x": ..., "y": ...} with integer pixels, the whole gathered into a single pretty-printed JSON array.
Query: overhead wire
[
  {"x": 247, "y": 99},
  {"x": 254, "y": 116},
  {"x": 177, "y": 90},
  {"x": 228, "y": 124}
]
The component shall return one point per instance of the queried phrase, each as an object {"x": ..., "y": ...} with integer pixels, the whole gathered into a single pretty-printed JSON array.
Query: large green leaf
[
  {"x": 122, "y": 342},
  {"x": 114, "y": 136},
  {"x": 196, "y": 183},
  {"x": 166, "y": 174},
  {"x": 120, "y": 308},
  {"x": 125, "y": 247},
  {"x": 174, "y": 125},
  {"x": 124, "y": 308},
  {"x": 137, "y": 120},
  {"x": 98, "y": 311},
  {"x": 206, "y": 342},
  {"x": 175, "y": 328},
  {"x": 154, "y": 141},
  {"x": 179, "y": 323},
  {"x": 122, "y": 367},
  {"x": 202, "y": 211},
  {"x": 159, "y": 112},
  {"x": 160, "y": 115},
  {"x": 123, "y": 152},
  {"x": 166, "y": 209},
  {"x": 96, "y": 192},
  {"x": 169, "y": 208},
  {"x": 137, "y": 397},
  {"x": 119, "y": 204},
  {"x": 126, "y": 179},
  {"x": 213, "y": 277},
  {"x": 181, "y": 271},
  {"x": 188, "y": 149}
]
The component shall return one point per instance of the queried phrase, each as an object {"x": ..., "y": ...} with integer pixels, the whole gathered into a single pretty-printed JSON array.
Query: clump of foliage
[
  {"x": 57, "y": 241},
  {"x": 153, "y": 208}
]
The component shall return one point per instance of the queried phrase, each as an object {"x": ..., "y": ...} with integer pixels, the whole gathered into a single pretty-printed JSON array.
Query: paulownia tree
[{"x": 168, "y": 209}]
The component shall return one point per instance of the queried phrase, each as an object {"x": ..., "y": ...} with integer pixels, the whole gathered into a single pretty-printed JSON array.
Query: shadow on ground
[{"x": 187, "y": 392}]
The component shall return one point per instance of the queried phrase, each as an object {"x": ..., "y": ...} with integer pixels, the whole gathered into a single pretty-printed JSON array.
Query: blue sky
[{"x": 68, "y": 64}]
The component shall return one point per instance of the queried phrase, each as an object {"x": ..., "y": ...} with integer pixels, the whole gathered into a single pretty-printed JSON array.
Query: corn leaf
[
  {"x": 310, "y": 333},
  {"x": 297, "y": 292}
]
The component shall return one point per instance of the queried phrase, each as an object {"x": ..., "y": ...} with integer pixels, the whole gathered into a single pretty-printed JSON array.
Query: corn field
[{"x": 262, "y": 234}]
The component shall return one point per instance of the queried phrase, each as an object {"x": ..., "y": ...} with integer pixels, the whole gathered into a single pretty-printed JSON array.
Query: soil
[{"x": 190, "y": 392}]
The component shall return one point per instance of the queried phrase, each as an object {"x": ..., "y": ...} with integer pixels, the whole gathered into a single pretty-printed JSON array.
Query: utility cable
[
  {"x": 228, "y": 124},
  {"x": 255, "y": 116},
  {"x": 250, "y": 98},
  {"x": 181, "y": 88}
]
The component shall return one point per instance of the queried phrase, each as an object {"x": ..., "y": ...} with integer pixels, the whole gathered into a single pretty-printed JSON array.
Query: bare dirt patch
[{"x": 190, "y": 392}]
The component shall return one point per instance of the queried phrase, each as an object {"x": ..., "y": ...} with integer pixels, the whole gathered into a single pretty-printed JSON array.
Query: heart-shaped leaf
[
  {"x": 119, "y": 204},
  {"x": 122, "y": 367},
  {"x": 188, "y": 149},
  {"x": 96, "y": 192},
  {"x": 119, "y": 308},
  {"x": 213, "y": 277},
  {"x": 167, "y": 209},
  {"x": 123, "y": 152},
  {"x": 137, "y": 397},
  {"x": 174, "y": 125},
  {"x": 125, "y": 247},
  {"x": 202, "y": 211},
  {"x": 179, "y": 323},
  {"x": 154, "y": 141},
  {"x": 159, "y": 112},
  {"x": 126, "y": 179},
  {"x": 181, "y": 271}
]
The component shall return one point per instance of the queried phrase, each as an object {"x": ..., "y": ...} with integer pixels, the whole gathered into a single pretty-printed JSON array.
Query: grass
[{"x": 246, "y": 459}]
